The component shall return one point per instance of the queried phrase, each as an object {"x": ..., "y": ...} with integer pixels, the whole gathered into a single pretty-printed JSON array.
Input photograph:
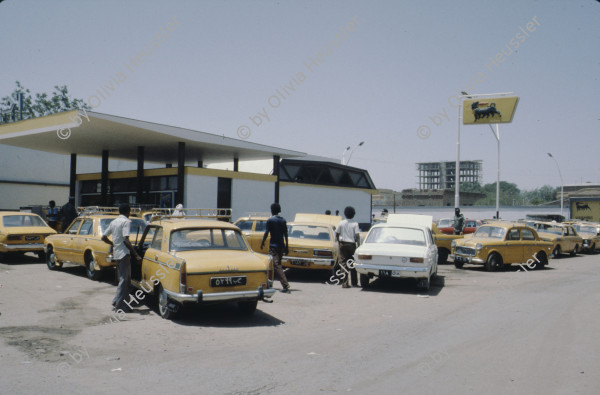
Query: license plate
[
  {"x": 31, "y": 238},
  {"x": 227, "y": 281},
  {"x": 297, "y": 262},
  {"x": 396, "y": 273},
  {"x": 385, "y": 273}
]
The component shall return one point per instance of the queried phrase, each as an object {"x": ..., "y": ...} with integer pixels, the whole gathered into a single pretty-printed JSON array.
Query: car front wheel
[
  {"x": 51, "y": 261},
  {"x": 557, "y": 251},
  {"x": 575, "y": 250},
  {"x": 494, "y": 263}
]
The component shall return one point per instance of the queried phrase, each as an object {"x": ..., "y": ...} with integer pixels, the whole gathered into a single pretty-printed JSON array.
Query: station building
[{"x": 170, "y": 165}]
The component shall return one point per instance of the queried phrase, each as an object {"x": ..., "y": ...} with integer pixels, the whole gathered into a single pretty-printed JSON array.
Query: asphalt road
[{"x": 474, "y": 332}]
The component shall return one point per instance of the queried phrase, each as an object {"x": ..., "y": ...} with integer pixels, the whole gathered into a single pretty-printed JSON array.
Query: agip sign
[
  {"x": 489, "y": 110},
  {"x": 585, "y": 209}
]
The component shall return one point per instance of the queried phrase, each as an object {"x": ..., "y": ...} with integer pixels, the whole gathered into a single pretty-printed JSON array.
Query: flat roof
[{"x": 91, "y": 133}]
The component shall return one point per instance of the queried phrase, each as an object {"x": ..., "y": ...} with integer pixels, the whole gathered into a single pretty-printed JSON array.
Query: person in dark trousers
[
  {"x": 122, "y": 248},
  {"x": 52, "y": 215},
  {"x": 68, "y": 214},
  {"x": 348, "y": 235},
  {"x": 278, "y": 245},
  {"x": 459, "y": 222}
]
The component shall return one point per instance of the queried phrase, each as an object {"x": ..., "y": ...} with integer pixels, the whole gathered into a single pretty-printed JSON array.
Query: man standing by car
[
  {"x": 52, "y": 215},
  {"x": 347, "y": 233},
  {"x": 119, "y": 229},
  {"x": 278, "y": 245},
  {"x": 459, "y": 222}
]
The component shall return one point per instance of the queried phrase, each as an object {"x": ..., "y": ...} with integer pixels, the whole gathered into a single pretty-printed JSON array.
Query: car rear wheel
[
  {"x": 542, "y": 260},
  {"x": 51, "y": 261},
  {"x": 557, "y": 251},
  {"x": 458, "y": 265},
  {"x": 364, "y": 280},
  {"x": 163, "y": 310},
  {"x": 575, "y": 250},
  {"x": 442, "y": 256},
  {"x": 247, "y": 308},
  {"x": 90, "y": 267},
  {"x": 424, "y": 284},
  {"x": 494, "y": 263}
]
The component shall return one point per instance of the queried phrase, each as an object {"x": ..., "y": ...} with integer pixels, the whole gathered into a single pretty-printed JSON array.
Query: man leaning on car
[{"x": 119, "y": 229}]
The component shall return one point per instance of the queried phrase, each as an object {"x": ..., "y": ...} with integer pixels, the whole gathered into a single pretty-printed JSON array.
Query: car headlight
[{"x": 479, "y": 246}]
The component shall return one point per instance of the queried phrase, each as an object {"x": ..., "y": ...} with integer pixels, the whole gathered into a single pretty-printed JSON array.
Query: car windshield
[
  {"x": 585, "y": 229},
  {"x": 551, "y": 229},
  {"x": 206, "y": 239},
  {"x": 309, "y": 232},
  {"x": 445, "y": 223},
  {"x": 22, "y": 220},
  {"x": 137, "y": 226},
  {"x": 493, "y": 232},
  {"x": 395, "y": 235}
]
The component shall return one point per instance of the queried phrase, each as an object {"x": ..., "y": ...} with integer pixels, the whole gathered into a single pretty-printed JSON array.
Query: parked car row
[{"x": 196, "y": 256}]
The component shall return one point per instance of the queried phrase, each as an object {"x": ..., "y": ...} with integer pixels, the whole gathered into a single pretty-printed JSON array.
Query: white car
[{"x": 402, "y": 247}]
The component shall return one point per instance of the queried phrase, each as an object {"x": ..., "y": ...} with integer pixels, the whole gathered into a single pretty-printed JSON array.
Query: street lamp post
[
  {"x": 561, "y": 184},
  {"x": 344, "y": 154},
  {"x": 351, "y": 152}
]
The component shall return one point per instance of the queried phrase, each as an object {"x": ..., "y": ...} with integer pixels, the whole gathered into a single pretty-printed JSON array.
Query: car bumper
[
  {"x": 395, "y": 271},
  {"x": 200, "y": 297},
  {"x": 22, "y": 247},
  {"x": 307, "y": 262},
  {"x": 466, "y": 259}
]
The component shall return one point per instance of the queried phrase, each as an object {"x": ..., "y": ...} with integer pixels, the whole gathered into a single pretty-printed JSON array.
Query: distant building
[{"x": 435, "y": 176}]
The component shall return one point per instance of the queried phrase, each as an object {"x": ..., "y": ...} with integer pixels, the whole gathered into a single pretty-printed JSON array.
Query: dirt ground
[{"x": 474, "y": 332}]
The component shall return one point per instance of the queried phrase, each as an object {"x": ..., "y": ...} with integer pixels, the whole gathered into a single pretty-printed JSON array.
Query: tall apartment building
[{"x": 441, "y": 175}]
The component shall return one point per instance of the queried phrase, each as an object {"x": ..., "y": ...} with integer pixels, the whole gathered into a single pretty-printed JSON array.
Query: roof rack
[
  {"x": 259, "y": 214},
  {"x": 189, "y": 213},
  {"x": 91, "y": 210}
]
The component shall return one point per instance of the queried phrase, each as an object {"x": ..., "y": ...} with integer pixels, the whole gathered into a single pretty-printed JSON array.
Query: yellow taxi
[
  {"x": 82, "y": 244},
  {"x": 253, "y": 227},
  {"x": 312, "y": 242},
  {"x": 23, "y": 232},
  {"x": 502, "y": 243},
  {"x": 194, "y": 258},
  {"x": 564, "y": 237},
  {"x": 443, "y": 242},
  {"x": 590, "y": 234}
]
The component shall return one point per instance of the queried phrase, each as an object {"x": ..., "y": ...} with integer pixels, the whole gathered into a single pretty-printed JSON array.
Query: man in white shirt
[
  {"x": 122, "y": 248},
  {"x": 348, "y": 236}
]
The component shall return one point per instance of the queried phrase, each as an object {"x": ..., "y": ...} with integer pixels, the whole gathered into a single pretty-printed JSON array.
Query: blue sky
[{"x": 386, "y": 69}]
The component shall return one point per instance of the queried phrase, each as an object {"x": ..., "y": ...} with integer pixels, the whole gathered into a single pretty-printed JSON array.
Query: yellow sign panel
[
  {"x": 489, "y": 110},
  {"x": 586, "y": 210}
]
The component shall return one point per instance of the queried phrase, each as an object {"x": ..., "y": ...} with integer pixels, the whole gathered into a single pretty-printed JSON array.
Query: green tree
[{"x": 43, "y": 104}]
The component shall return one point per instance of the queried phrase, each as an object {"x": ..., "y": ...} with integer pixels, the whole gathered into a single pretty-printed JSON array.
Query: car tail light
[
  {"x": 182, "y": 277},
  {"x": 325, "y": 253},
  {"x": 416, "y": 260},
  {"x": 365, "y": 257}
]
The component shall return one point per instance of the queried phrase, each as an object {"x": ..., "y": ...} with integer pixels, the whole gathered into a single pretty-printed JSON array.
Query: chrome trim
[
  {"x": 241, "y": 272},
  {"x": 364, "y": 266},
  {"x": 22, "y": 246},
  {"x": 220, "y": 296},
  {"x": 316, "y": 261},
  {"x": 469, "y": 258}
]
